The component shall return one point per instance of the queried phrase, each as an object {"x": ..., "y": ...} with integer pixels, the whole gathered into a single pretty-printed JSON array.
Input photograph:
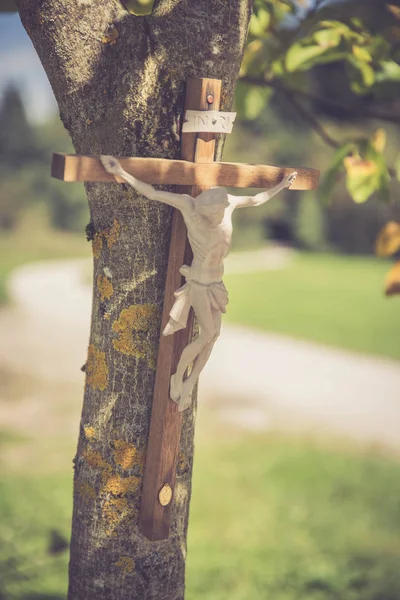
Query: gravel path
[{"x": 253, "y": 379}]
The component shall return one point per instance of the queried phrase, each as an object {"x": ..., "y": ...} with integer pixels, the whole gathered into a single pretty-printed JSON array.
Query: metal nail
[{"x": 165, "y": 495}]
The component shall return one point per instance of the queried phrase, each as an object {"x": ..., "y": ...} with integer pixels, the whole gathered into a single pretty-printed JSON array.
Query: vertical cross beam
[{"x": 166, "y": 420}]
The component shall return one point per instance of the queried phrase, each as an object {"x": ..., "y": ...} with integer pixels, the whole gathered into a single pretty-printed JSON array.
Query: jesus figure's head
[{"x": 212, "y": 204}]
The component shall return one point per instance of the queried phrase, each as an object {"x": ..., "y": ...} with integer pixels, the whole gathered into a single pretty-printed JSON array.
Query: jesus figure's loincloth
[{"x": 192, "y": 293}]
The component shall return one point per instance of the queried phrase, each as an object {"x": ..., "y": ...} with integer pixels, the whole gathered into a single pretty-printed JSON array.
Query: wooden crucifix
[{"x": 194, "y": 174}]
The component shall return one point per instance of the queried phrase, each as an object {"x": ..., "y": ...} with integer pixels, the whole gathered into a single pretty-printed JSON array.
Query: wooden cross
[{"x": 197, "y": 172}]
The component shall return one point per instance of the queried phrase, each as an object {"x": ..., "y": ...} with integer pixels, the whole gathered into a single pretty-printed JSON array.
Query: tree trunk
[{"x": 119, "y": 81}]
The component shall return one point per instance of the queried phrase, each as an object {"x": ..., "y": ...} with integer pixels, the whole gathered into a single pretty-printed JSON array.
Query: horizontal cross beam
[{"x": 69, "y": 167}]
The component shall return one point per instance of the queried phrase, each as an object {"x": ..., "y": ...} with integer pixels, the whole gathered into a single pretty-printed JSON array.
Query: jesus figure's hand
[{"x": 289, "y": 179}]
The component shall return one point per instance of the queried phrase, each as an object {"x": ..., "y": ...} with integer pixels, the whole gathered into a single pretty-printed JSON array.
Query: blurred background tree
[{"x": 25, "y": 154}]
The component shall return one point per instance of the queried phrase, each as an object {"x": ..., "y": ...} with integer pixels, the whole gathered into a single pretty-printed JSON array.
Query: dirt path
[{"x": 254, "y": 380}]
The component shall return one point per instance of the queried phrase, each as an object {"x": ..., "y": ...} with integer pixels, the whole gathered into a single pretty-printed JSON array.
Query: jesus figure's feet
[
  {"x": 175, "y": 388},
  {"x": 186, "y": 396}
]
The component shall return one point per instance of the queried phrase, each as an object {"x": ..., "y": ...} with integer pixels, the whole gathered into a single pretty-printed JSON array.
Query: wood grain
[
  {"x": 166, "y": 420},
  {"x": 70, "y": 167}
]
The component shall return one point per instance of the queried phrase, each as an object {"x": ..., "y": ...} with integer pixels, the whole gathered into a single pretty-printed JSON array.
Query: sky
[{"x": 20, "y": 64}]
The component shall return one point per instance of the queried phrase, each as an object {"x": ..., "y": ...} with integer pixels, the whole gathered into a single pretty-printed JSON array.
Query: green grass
[
  {"x": 30, "y": 508},
  {"x": 30, "y": 244},
  {"x": 270, "y": 518},
  {"x": 282, "y": 519},
  {"x": 331, "y": 299}
]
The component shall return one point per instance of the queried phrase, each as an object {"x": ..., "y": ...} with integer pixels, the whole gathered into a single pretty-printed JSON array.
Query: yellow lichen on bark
[
  {"x": 125, "y": 454},
  {"x": 97, "y": 245},
  {"x": 126, "y": 563},
  {"x": 105, "y": 287},
  {"x": 96, "y": 369},
  {"x": 119, "y": 486},
  {"x": 90, "y": 432},
  {"x": 132, "y": 324},
  {"x": 85, "y": 491},
  {"x": 95, "y": 459},
  {"x": 114, "y": 512},
  {"x": 110, "y": 236},
  {"x": 110, "y": 37},
  {"x": 113, "y": 491}
]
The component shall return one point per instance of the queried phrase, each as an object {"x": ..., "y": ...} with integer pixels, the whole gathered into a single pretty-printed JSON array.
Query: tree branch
[
  {"x": 310, "y": 119},
  {"x": 306, "y": 115},
  {"x": 324, "y": 103}
]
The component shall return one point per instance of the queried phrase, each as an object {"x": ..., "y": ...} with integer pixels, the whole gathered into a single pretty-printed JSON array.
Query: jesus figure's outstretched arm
[
  {"x": 258, "y": 199},
  {"x": 113, "y": 166}
]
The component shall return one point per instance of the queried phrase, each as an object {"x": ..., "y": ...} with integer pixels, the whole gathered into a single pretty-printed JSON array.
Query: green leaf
[
  {"x": 367, "y": 173},
  {"x": 139, "y": 8},
  {"x": 259, "y": 23},
  {"x": 331, "y": 175},
  {"x": 327, "y": 38},
  {"x": 300, "y": 57},
  {"x": 361, "y": 54},
  {"x": 387, "y": 80},
  {"x": 389, "y": 70},
  {"x": 362, "y": 178},
  {"x": 362, "y": 74},
  {"x": 388, "y": 241},
  {"x": 338, "y": 25},
  {"x": 328, "y": 43},
  {"x": 379, "y": 140}
]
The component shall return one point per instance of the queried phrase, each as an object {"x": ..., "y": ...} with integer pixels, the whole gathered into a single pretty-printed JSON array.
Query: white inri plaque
[{"x": 208, "y": 121}]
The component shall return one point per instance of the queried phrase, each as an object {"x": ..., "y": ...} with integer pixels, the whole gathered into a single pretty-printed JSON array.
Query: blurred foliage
[
  {"x": 25, "y": 155},
  {"x": 300, "y": 219},
  {"x": 365, "y": 168},
  {"x": 387, "y": 244},
  {"x": 330, "y": 60}
]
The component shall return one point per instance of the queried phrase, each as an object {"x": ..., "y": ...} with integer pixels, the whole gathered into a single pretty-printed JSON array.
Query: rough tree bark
[{"x": 119, "y": 82}]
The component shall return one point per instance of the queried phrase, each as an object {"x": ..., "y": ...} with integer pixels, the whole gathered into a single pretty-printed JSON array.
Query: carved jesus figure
[{"x": 208, "y": 219}]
